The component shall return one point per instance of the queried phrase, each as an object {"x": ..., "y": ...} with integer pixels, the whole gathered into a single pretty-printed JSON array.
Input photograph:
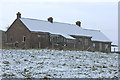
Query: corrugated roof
[{"x": 63, "y": 29}]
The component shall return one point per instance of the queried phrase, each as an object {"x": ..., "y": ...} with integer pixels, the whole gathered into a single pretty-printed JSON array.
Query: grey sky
[{"x": 93, "y": 15}]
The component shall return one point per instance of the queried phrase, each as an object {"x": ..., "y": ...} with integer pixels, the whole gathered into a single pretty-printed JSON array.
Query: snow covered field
[{"x": 58, "y": 64}]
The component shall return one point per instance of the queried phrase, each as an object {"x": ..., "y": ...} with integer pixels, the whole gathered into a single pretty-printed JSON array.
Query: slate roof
[{"x": 63, "y": 29}]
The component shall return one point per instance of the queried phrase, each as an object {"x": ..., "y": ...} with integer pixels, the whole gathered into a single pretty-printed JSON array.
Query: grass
[{"x": 51, "y": 49}]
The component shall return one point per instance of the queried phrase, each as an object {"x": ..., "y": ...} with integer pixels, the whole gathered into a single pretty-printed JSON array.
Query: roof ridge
[
  {"x": 92, "y": 30},
  {"x": 34, "y": 19},
  {"x": 47, "y": 21}
]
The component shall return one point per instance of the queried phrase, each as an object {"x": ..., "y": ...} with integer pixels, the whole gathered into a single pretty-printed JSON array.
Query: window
[
  {"x": 80, "y": 41},
  {"x": 94, "y": 45},
  {"x": 11, "y": 38},
  {"x": 70, "y": 41},
  {"x": 57, "y": 39},
  {"x": 54, "y": 38},
  {"x": 50, "y": 39},
  {"x": 64, "y": 40},
  {"x": 42, "y": 36},
  {"x": 39, "y": 35},
  {"x": 24, "y": 38},
  {"x": 106, "y": 46},
  {"x": 100, "y": 46},
  {"x": 86, "y": 42}
]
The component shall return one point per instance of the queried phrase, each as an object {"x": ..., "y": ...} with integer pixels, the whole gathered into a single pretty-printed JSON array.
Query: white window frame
[
  {"x": 24, "y": 38},
  {"x": 94, "y": 45},
  {"x": 106, "y": 46}
]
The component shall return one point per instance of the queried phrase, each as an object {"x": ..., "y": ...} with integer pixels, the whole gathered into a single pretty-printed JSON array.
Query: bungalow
[{"x": 33, "y": 33}]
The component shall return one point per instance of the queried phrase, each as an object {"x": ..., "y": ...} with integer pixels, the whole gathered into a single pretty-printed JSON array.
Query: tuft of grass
[
  {"x": 77, "y": 57},
  {"x": 5, "y": 62},
  {"x": 104, "y": 66},
  {"x": 11, "y": 75},
  {"x": 45, "y": 77},
  {"x": 33, "y": 56},
  {"x": 94, "y": 68},
  {"x": 63, "y": 64},
  {"x": 78, "y": 67},
  {"x": 28, "y": 76},
  {"x": 25, "y": 70},
  {"x": 40, "y": 62},
  {"x": 48, "y": 75},
  {"x": 4, "y": 74},
  {"x": 18, "y": 62},
  {"x": 55, "y": 74},
  {"x": 111, "y": 66},
  {"x": 25, "y": 60}
]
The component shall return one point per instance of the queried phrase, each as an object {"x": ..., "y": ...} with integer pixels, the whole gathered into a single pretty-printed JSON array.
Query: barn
[{"x": 34, "y": 33}]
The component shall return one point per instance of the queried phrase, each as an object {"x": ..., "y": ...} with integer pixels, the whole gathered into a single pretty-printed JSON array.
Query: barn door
[{"x": 39, "y": 45}]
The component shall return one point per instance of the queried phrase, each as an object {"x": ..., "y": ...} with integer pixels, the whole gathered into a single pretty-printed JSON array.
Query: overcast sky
[{"x": 94, "y": 14}]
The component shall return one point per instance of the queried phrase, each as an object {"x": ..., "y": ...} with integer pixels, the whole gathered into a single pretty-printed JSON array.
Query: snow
[
  {"x": 63, "y": 29},
  {"x": 58, "y": 64},
  {"x": 114, "y": 49},
  {"x": 0, "y": 63}
]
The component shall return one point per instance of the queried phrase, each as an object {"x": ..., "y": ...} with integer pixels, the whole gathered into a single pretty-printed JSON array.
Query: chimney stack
[
  {"x": 50, "y": 19},
  {"x": 78, "y": 23},
  {"x": 18, "y": 15}
]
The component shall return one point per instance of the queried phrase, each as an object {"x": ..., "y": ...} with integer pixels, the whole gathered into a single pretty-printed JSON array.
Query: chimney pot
[
  {"x": 50, "y": 19},
  {"x": 18, "y": 15},
  {"x": 78, "y": 23}
]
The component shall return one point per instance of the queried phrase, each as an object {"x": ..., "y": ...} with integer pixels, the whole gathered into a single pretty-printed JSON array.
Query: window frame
[
  {"x": 80, "y": 40},
  {"x": 94, "y": 45},
  {"x": 106, "y": 47},
  {"x": 24, "y": 38}
]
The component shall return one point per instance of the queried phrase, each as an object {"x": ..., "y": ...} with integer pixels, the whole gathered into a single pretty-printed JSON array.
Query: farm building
[
  {"x": 33, "y": 33},
  {"x": 2, "y": 39}
]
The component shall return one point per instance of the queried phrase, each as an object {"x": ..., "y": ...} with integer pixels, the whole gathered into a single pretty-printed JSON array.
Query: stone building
[{"x": 33, "y": 33}]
